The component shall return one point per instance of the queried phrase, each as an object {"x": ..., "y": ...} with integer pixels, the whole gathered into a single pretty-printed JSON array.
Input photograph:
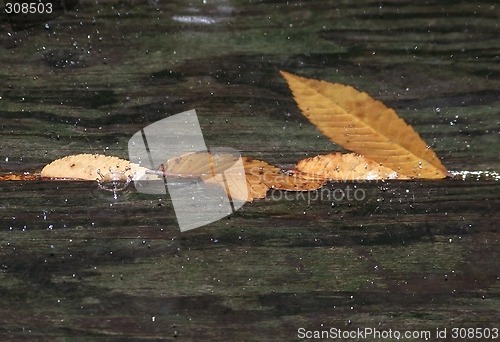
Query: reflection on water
[{"x": 476, "y": 175}]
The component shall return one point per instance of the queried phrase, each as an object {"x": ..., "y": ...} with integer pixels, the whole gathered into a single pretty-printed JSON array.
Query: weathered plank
[{"x": 77, "y": 263}]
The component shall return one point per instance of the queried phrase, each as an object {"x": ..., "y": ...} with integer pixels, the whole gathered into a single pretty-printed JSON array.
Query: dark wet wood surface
[{"x": 77, "y": 264}]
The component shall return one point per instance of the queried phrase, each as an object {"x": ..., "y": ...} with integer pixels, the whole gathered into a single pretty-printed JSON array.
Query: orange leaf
[
  {"x": 223, "y": 170},
  {"x": 345, "y": 166},
  {"x": 359, "y": 123},
  {"x": 234, "y": 181},
  {"x": 19, "y": 177},
  {"x": 259, "y": 178},
  {"x": 276, "y": 179},
  {"x": 252, "y": 189},
  {"x": 295, "y": 182}
]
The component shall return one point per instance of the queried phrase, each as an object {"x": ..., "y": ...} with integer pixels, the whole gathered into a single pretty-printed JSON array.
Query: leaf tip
[{"x": 286, "y": 75}]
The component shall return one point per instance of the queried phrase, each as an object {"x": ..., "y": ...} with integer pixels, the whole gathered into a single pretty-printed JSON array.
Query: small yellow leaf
[
  {"x": 199, "y": 164},
  {"x": 359, "y": 123},
  {"x": 91, "y": 167},
  {"x": 345, "y": 166}
]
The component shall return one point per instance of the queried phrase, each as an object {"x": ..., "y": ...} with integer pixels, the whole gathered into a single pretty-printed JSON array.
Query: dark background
[{"x": 76, "y": 264}]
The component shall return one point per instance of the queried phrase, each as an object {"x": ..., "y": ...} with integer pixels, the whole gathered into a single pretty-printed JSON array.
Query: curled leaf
[
  {"x": 240, "y": 180},
  {"x": 232, "y": 179},
  {"x": 359, "y": 123},
  {"x": 274, "y": 178},
  {"x": 259, "y": 177}
]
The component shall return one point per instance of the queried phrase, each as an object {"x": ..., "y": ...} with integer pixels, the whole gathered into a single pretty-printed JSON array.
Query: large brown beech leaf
[{"x": 359, "y": 123}]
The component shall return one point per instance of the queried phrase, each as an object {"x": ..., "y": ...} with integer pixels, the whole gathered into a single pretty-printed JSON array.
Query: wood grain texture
[{"x": 78, "y": 264}]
